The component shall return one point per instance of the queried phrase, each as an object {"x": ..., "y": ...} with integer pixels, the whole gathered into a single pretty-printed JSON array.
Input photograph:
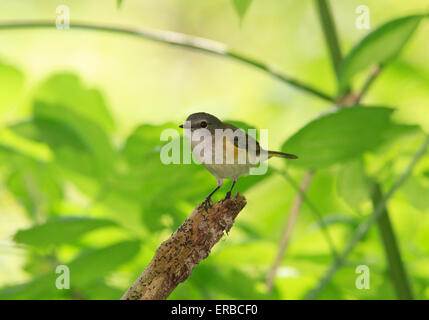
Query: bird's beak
[{"x": 181, "y": 126}]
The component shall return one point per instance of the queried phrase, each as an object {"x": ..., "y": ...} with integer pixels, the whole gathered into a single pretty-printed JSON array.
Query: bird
[{"x": 246, "y": 152}]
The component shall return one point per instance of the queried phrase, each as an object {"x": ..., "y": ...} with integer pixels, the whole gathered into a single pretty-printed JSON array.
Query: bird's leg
[
  {"x": 207, "y": 202},
  {"x": 228, "y": 194}
]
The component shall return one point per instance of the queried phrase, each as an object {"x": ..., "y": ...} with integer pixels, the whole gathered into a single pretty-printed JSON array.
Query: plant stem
[
  {"x": 312, "y": 208},
  {"x": 293, "y": 216},
  {"x": 364, "y": 226},
  {"x": 396, "y": 266},
  {"x": 369, "y": 81},
  {"x": 287, "y": 233},
  {"x": 180, "y": 40},
  {"x": 331, "y": 37}
]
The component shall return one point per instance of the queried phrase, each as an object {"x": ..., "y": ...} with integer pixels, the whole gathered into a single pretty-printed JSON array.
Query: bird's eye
[{"x": 203, "y": 124}]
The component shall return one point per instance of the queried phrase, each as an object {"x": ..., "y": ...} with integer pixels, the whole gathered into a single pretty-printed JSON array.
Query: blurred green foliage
[
  {"x": 79, "y": 190},
  {"x": 379, "y": 47},
  {"x": 241, "y": 6}
]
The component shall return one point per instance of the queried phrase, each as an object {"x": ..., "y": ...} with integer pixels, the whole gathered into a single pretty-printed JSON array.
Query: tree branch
[
  {"x": 176, "y": 257},
  {"x": 181, "y": 40}
]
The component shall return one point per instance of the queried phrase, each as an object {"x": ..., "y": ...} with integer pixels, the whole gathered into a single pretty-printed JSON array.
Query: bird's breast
[
  {"x": 223, "y": 159},
  {"x": 228, "y": 171}
]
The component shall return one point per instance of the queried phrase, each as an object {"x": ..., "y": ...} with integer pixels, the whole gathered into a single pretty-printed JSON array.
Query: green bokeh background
[{"x": 80, "y": 117}]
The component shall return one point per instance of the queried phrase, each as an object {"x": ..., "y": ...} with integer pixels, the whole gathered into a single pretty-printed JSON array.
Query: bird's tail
[{"x": 281, "y": 155}]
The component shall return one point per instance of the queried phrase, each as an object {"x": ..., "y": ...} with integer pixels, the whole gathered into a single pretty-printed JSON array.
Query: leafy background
[{"x": 81, "y": 113}]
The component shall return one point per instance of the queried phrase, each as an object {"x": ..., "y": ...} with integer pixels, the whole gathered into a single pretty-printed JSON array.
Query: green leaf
[
  {"x": 119, "y": 3},
  {"x": 36, "y": 186},
  {"x": 82, "y": 149},
  {"x": 97, "y": 263},
  {"x": 399, "y": 130},
  {"x": 144, "y": 141},
  {"x": 241, "y": 7},
  {"x": 99, "y": 290},
  {"x": 379, "y": 47},
  {"x": 237, "y": 283},
  {"x": 339, "y": 136},
  {"x": 75, "y": 123},
  {"x": 67, "y": 90},
  {"x": 89, "y": 136},
  {"x": 27, "y": 148},
  {"x": 42, "y": 287},
  {"x": 89, "y": 268},
  {"x": 59, "y": 231},
  {"x": 416, "y": 191},
  {"x": 353, "y": 184}
]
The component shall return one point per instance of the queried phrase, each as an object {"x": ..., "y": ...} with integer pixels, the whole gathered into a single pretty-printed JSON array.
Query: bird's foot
[
  {"x": 207, "y": 204},
  {"x": 227, "y": 196}
]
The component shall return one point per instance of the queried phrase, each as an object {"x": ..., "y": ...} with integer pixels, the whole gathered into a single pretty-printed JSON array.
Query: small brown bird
[{"x": 215, "y": 159}]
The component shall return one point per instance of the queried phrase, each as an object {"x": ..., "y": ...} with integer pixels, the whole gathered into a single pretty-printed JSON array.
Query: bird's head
[{"x": 202, "y": 120}]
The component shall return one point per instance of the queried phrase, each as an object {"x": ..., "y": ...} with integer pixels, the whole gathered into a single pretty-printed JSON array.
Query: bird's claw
[
  {"x": 227, "y": 196},
  {"x": 207, "y": 204}
]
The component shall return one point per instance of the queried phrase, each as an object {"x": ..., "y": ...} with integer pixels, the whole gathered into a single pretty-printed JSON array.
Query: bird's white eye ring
[{"x": 203, "y": 124}]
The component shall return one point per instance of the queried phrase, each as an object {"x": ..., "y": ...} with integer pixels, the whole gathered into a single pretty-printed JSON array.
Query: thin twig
[
  {"x": 314, "y": 210},
  {"x": 290, "y": 223},
  {"x": 181, "y": 40},
  {"x": 364, "y": 226},
  {"x": 331, "y": 37},
  {"x": 369, "y": 81}
]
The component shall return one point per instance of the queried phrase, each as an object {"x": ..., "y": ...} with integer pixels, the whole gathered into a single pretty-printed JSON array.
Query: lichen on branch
[{"x": 192, "y": 242}]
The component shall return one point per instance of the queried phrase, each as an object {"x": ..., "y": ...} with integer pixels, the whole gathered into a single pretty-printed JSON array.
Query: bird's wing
[{"x": 249, "y": 144}]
